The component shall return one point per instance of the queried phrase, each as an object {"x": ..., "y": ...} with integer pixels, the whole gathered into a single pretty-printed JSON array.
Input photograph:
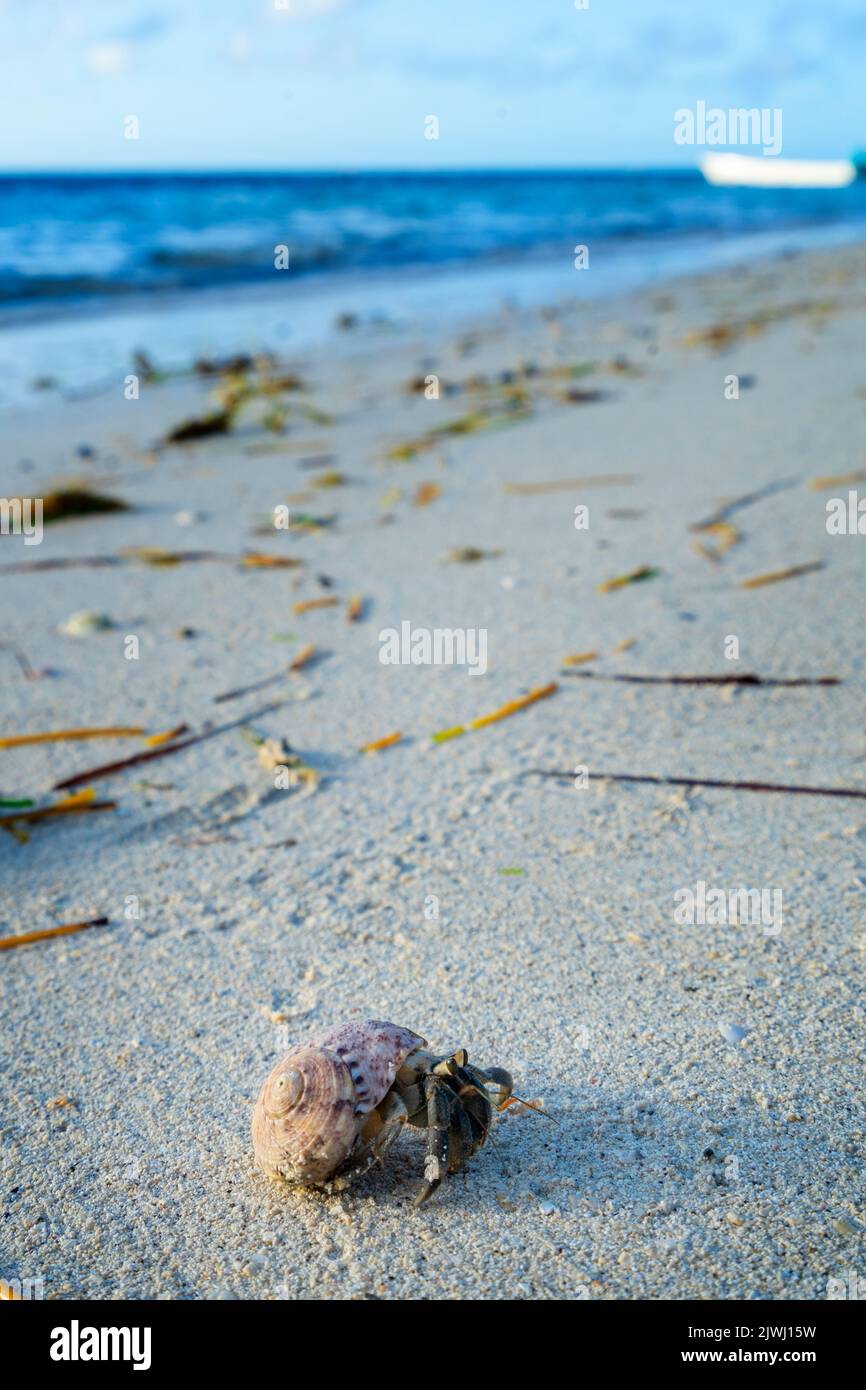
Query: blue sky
[{"x": 348, "y": 83}]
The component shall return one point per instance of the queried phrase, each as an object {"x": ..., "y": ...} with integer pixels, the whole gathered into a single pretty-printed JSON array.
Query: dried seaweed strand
[
  {"x": 303, "y": 656},
  {"x": 580, "y": 658},
  {"x": 738, "y": 503},
  {"x": 637, "y": 576},
  {"x": 25, "y": 939},
  {"x": 706, "y": 782},
  {"x": 512, "y": 707},
  {"x": 569, "y": 484},
  {"x": 836, "y": 480},
  {"x": 64, "y": 808},
  {"x": 167, "y": 736},
  {"x": 259, "y": 560},
  {"x": 249, "y": 689},
  {"x": 62, "y": 735},
  {"x": 28, "y": 670},
  {"x": 774, "y": 576},
  {"x": 727, "y": 537},
  {"x": 309, "y": 605},
  {"x": 444, "y": 734},
  {"x": 387, "y": 742},
  {"x": 156, "y": 558}
]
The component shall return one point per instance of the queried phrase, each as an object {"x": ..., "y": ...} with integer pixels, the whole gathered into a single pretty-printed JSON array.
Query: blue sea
[{"x": 93, "y": 266}]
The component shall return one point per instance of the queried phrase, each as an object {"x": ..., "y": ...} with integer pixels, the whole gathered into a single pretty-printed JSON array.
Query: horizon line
[{"x": 324, "y": 171}]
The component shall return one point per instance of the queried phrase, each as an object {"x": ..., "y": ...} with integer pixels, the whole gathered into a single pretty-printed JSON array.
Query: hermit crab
[{"x": 336, "y": 1104}]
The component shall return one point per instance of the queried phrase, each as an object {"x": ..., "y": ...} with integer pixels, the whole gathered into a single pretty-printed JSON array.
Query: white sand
[{"x": 574, "y": 974}]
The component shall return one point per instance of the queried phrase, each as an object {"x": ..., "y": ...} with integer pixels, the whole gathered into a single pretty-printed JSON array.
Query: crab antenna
[{"x": 528, "y": 1105}]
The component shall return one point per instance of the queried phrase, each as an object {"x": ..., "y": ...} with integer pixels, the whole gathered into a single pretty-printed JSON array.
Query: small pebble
[
  {"x": 844, "y": 1227},
  {"x": 82, "y": 624},
  {"x": 733, "y": 1033}
]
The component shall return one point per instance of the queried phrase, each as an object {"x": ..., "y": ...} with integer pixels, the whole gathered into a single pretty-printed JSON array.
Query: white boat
[{"x": 767, "y": 171}]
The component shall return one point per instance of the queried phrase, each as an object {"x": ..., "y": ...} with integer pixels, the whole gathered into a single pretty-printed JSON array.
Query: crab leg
[
  {"x": 461, "y": 1135},
  {"x": 503, "y": 1080},
  {"x": 384, "y": 1125},
  {"x": 438, "y": 1125}
]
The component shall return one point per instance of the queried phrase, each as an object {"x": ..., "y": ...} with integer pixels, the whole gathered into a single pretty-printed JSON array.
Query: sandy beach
[{"x": 703, "y": 1081}]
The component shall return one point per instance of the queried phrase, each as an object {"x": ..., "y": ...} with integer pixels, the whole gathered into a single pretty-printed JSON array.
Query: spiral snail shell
[{"x": 318, "y": 1100}]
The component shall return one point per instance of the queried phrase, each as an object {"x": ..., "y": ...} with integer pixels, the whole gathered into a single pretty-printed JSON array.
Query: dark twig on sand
[
  {"x": 109, "y": 769},
  {"x": 738, "y": 503},
  {"x": 248, "y": 689},
  {"x": 105, "y": 561},
  {"x": 760, "y": 581},
  {"x": 154, "y": 558},
  {"x": 302, "y": 659},
  {"x": 30, "y": 673},
  {"x": 749, "y": 678},
  {"x": 703, "y": 782}
]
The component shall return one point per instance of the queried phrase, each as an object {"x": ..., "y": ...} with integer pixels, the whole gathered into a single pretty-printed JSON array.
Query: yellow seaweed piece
[
  {"x": 633, "y": 577},
  {"x": 569, "y": 484},
  {"x": 444, "y": 734},
  {"x": 309, "y": 605},
  {"x": 836, "y": 480},
  {"x": 387, "y": 742},
  {"x": 258, "y": 560},
  {"x": 775, "y": 576},
  {"x": 63, "y": 735},
  {"x": 27, "y": 937},
  {"x": 514, "y": 705},
  {"x": 303, "y": 656},
  {"x": 156, "y": 740}
]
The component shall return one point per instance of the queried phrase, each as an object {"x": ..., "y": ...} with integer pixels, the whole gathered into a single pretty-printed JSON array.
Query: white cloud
[
  {"x": 306, "y": 9},
  {"x": 240, "y": 47},
  {"x": 106, "y": 59}
]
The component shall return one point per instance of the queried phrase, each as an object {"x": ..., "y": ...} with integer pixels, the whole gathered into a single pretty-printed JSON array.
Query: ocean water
[
  {"x": 64, "y": 240},
  {"x": 92, "y": 267}
]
